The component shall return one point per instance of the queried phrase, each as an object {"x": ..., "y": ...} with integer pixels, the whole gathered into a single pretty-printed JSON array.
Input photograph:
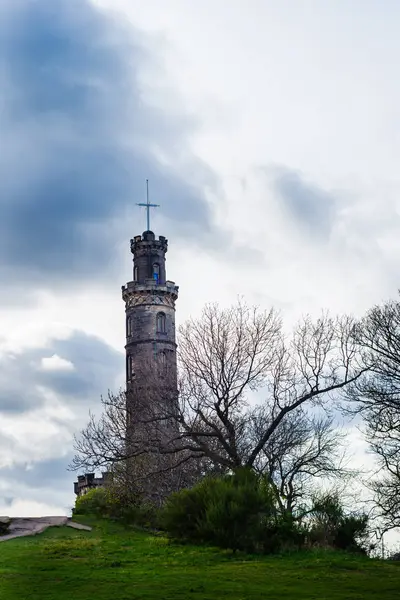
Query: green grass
[{"x": 111, "y": 563}]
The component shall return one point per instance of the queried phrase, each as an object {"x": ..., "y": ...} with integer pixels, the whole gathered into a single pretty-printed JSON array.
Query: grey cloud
[
  {"x": 78, "y": 141},
  {"x": 7, "y": 500},
  {"x": 45, "y": 482},
  {"x": 97, "y": 368},
  {"x": 312, "y": 207},
  {"x": 42, "y": 474}
]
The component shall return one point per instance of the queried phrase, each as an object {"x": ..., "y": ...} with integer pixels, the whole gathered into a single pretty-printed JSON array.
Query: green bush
[
  {"x": 283, "y": 535},
  {"x": 94, "y": 502},
  {"x": 330, "y": 526},
  {"x": 107, "y": 503},
  {"x": 235, "y": 511},
  {"x": 183, "y": 511},
  {"x": 352, "y": 533},
  {"x": 232, "y": 516},
  {"x": 134, "y": 512}
]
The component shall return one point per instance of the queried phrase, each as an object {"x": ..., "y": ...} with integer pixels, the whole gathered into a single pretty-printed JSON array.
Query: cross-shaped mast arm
[{"x": 147, "y": 205}]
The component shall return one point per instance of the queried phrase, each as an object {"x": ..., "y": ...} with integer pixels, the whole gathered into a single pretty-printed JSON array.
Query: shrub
[
  {"x": 94, "y": 502},
  {"x": 233, "y": 513},
  {"x": 285, "y": 534},
  {"x": 184, "y": 510},
  {"x": 351, "y": 533},
  {"x": 330, "y": 526},
  {"x": 108, "y": 503},
  {"x": 134, "y": 512},
  {"x": 236, "y": 511}
]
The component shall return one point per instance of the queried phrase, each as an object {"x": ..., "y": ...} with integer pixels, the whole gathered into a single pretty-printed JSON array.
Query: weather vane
[{"x": 147, "y": 205}]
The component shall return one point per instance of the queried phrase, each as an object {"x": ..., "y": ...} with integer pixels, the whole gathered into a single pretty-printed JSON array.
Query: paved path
[{"x": 20, "y": 527}]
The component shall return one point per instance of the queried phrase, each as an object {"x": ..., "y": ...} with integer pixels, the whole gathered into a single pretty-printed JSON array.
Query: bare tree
[
  {"x": 226, "y": 358},
  {"x": 229, "y": 353},
  {"x": 128, "y": 441},
  {"x": 304, "y": 451},
  {"x": 376, "y": 397},
  {"x": 384, "y": 440}
]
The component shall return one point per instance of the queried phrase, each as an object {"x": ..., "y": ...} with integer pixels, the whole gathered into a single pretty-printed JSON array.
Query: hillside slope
[{"x": 110, "y": 563}]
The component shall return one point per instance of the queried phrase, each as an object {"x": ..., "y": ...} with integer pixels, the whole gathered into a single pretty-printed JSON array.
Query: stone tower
[{"x": 151, "y": 369}]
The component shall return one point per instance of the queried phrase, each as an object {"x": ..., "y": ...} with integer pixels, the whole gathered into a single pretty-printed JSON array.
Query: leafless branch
[{"x": 212, "y": 419}]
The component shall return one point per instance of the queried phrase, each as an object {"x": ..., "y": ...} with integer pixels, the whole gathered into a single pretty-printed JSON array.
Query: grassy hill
[{"x": 111, "y": 563}]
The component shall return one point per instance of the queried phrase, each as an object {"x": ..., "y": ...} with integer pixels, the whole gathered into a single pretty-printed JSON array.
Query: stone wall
[{"x": 89, "y": 481}]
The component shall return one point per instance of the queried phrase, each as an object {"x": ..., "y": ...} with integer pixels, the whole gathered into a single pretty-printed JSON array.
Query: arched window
[
  {"x": 156, "y": 272},
  {"x": 136, "y": 274},
  {"x": 161, "y": 325}
]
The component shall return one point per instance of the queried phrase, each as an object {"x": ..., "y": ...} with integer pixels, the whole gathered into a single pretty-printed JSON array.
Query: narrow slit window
[
  {"x": 161, "y": 325},
  {"x": 162, "y": 358},
  {"x": 131, "y": 368},
  {"x": 136, "y": 274},
  {"x": 129, "y": 326}
]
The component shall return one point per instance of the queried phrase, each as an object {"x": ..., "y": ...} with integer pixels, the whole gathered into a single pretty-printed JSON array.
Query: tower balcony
[{"x": 149, "y": 285}]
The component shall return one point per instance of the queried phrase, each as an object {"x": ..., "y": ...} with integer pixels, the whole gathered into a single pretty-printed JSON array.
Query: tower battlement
[
  {"x": 148, "y": 240},
  {"x": 149, "y": 258}
]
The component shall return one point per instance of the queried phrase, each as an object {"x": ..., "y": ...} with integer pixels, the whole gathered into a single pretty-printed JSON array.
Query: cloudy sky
[{"x": 270, "y": 133}]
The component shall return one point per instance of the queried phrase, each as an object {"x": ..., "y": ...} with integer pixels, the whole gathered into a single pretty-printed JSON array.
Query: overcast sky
[{"x": 270, "y": 133}]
